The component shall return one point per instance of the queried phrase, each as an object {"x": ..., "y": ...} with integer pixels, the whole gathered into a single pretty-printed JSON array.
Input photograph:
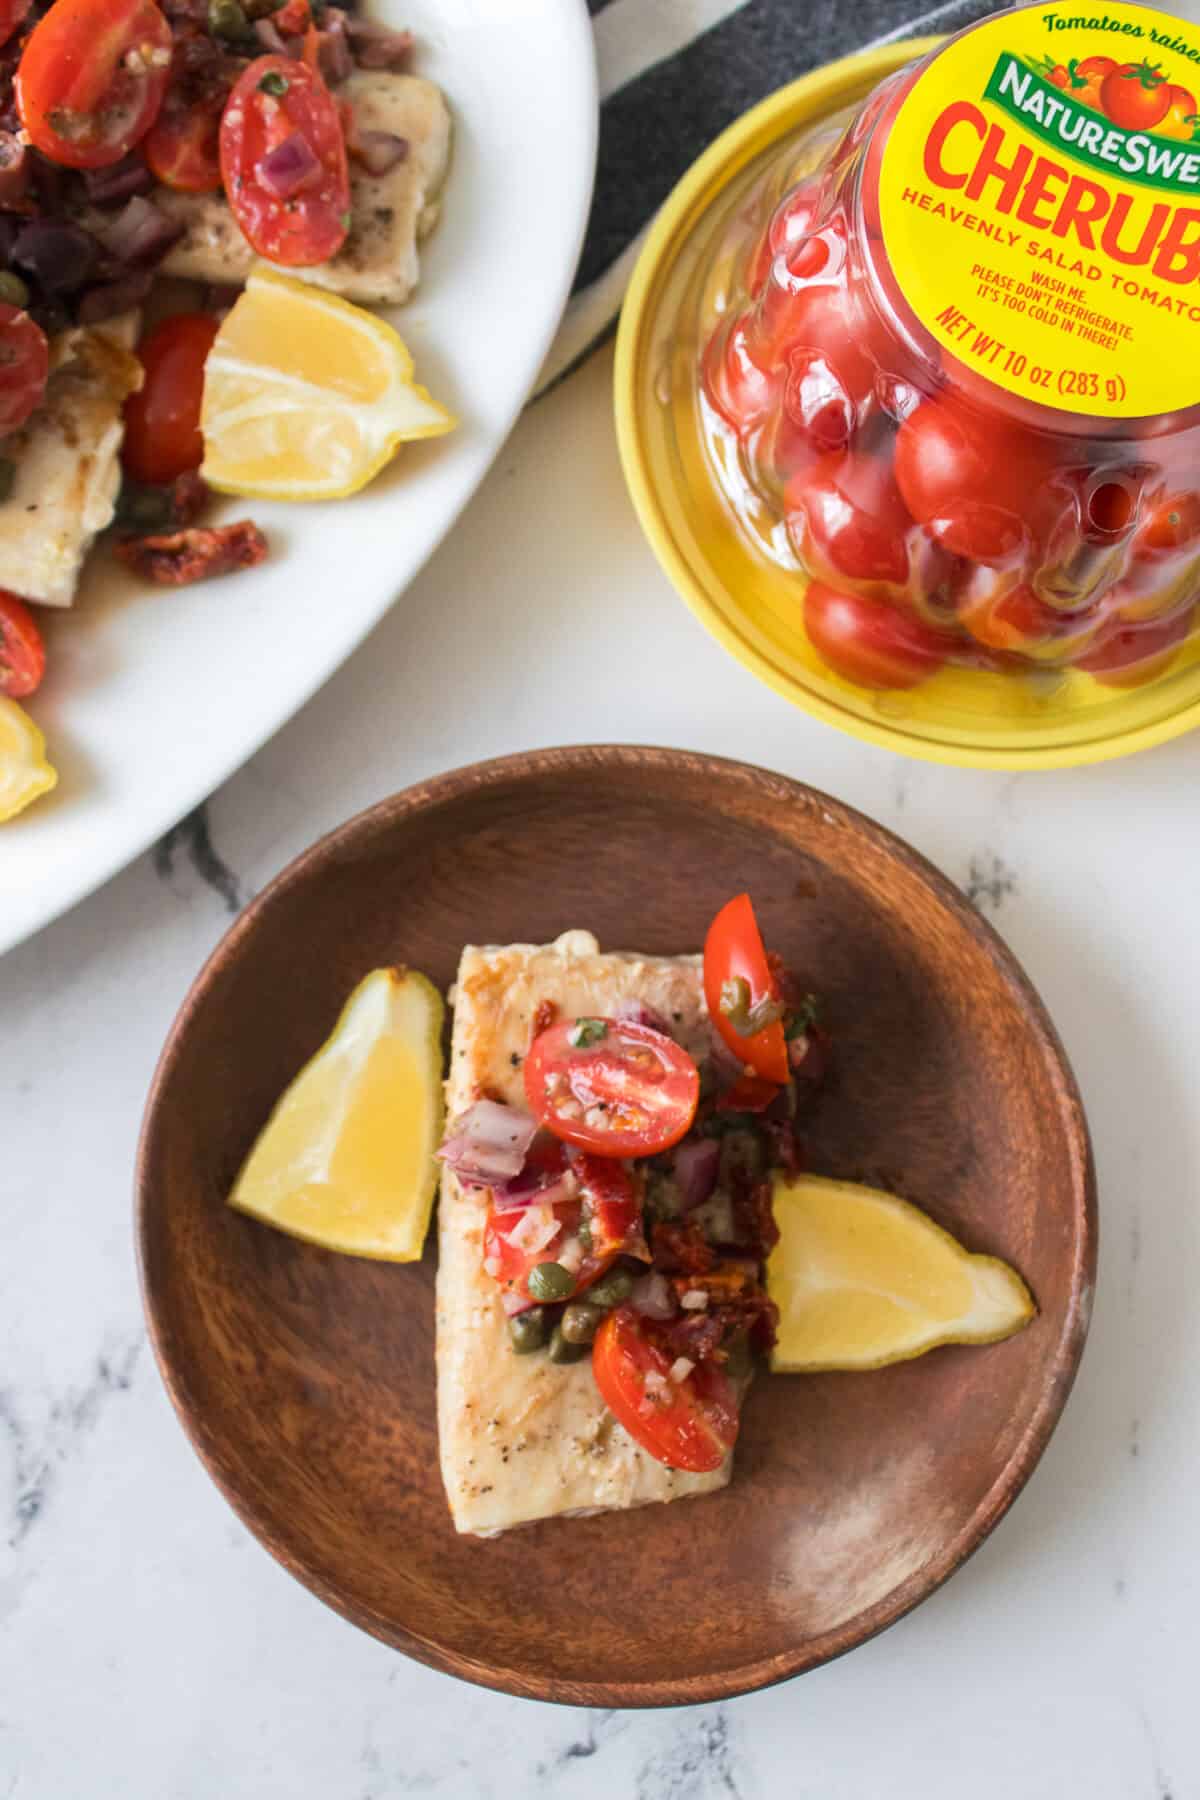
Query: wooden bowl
[{"x": 306, "y": 1381}]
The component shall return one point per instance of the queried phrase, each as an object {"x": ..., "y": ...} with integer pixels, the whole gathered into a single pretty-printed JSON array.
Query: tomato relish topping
[
  {"x": 954, "y": 372},
  {"x": 630, "y": 1212}
]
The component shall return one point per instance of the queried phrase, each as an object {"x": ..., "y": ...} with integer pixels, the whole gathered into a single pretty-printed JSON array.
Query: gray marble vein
[{"x": 193, "y": 838}]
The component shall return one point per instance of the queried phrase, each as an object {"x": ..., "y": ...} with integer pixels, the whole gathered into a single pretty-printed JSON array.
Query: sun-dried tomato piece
[{"x": 176, "y": 558}]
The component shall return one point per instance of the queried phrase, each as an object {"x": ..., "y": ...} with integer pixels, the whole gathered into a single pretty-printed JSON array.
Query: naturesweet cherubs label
[{"x": 1040, "y": 203}]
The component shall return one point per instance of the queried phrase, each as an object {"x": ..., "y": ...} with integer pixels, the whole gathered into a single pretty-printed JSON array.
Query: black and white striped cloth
[{"x": 673, "y": 74}]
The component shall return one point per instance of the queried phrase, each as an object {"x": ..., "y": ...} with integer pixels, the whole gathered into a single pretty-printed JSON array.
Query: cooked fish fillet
[
  {"x": 523, "y": 1438},
  {"x": 389, "y": 213},
  {"x": 66, "y": 462}
]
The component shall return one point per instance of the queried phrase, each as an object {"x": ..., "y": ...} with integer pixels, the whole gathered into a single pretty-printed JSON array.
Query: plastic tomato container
[{"x": 909, "y": 392}]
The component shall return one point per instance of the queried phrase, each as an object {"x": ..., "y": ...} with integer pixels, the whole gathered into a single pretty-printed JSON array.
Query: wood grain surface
[{"x": 306, "y": 1381}]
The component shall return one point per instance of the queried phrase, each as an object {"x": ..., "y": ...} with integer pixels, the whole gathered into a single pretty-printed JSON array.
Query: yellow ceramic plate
[{"x": 1045, "y": 721}]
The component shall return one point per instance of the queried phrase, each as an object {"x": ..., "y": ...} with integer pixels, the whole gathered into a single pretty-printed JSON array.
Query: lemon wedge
[
  {"x": 306, "y": 396},
  {"x": 862, "y": 1279},
  {"x": 24, "y": 772},
  {"x": 346, "y": 1158}
]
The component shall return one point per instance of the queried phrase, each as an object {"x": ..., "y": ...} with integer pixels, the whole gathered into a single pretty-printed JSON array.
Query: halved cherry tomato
[
  {"x": 1134, "y": 654},
  {"x": 1180, "y": 118},
  {"x": 847, "y": 519},
  {"x": 22, "y": 653},
  {"x": 162, "y": 420},
  {"x": 12, "y": 14},
  {"x": 605, "y": 1222},
  {"x": 870, "y": 642},
  {"x": 972, "y": 480},
  {"x": 182, "y": 146},
  {"x": 1135, "y": 95},
  {"x": 91, "y": 79},
  {"x": 611, "y": 1086},
  {"x": 690, "y": 1424},
  {"x": 734, "y": 953},
  {"x": 24, "y": 366},
  {"x": 277, "y": 102}
]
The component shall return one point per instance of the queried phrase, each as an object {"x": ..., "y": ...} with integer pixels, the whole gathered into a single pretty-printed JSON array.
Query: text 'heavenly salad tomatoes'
[{"x": 956, "y": 364}]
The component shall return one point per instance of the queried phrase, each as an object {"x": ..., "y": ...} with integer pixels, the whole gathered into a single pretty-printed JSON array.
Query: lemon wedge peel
[
  {"x": 863, "y": 1279},
  {"x": 346, "y": 1159},
  {"x": 306, "y": 396},
  {"x": 25, "y": 775}
]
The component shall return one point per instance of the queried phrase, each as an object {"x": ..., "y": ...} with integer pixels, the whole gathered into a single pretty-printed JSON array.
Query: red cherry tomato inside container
[
  {"x": 91, "y": 79},
  {"x": 739, "y": 986},
  {"x": 283, "y": 162},
  {"x": 24, "y": 366},
  {"x": 959, "y": 358},
  {"x": 690, "y": 1424},
  {"x": 22, "y": 653},
  {"x": 162, "y": 420},
  {"x": 611, "y": 1086}
]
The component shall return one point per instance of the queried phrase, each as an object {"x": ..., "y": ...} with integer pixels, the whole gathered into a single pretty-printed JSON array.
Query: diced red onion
[
  {"x": 534, "y": 1184},
  {"x": 695, "y": 1300},
  {"x": 333, "y": 49},
  {"x": 379, "y": 151},
  {"x": 725, "y": 1065},
  {"x": 681, "y": 1368},
  {"x": 514, "y": 1303},
  {"x": 61, "y": 257},
  {"x": 570, "y": 1257},
  {"x": 119, "y": 181},
  {"x": 652, "y": 1297},
  {"x": 140, "y": 233},
  {"x": 489, "y": 1143},
  {"x": 696, "y": 1163},
  {"x": 270, "y": 37},
  {"x": 376, "y": 46},
  {"x": 636, "y": 1012},
  {"x": 290, "y": 167},
  {"x": 15, "y": 170},
  {"x": 534, "y": 1229},
  {"x": 108, "y": 299}
]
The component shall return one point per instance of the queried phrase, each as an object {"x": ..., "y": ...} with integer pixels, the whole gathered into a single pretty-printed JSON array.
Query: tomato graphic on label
[
  {"x": 1088, "y": 76},
  {"x": 1136, "y": 95},
  {"x": 1181, "y": 119}
]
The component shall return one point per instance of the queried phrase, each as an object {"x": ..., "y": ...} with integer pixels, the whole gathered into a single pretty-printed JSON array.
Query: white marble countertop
[{"x": 150, "y": 1649}]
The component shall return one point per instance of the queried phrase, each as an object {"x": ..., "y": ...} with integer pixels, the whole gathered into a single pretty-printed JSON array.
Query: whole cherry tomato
[
  {"x": 972, "y": 480},
  {"x": 793, "y": 219},
  {"x": 870, "y": 642},
  {"x": 1133, "y": 654},
  {"x": 1020, "y": 622},
  {"x": 1173, "y": 525},
  {"x": 611, "y": 1086},
  {"x": 847, "y": 519},
  {"x": 1087, "y": 78},
  {"x": 1180, "y": 119},
  {"x": 91, "y": 79},
  {"x": 1164, "y": 570},
  {"x": 182, "y": 145},
  {"x": 690, "y": 1424},
  {"x": 22, "y": 653},
  {"x": 735, "y": 969},
  {"x": 742, "y": 392},
  {"x": 24, "y": 366},
  {"x": 283, "y": 162},
  {"x": 162, "y": 420},
  {"x": 1135, "y": 95}
]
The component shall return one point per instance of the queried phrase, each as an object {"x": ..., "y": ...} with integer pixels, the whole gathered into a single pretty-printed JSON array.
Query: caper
[
  {"x": 611, "y": 1289},
  {"x": 527, "y": 1330},
  {"x": 143, "y": 508},
  {"x": 581, "y": 1321},
  {"x": 562, "y": 1350},
  {"x": 550, "y": 1281},
  {"x": 13, "y": 290},
  {"x": 227, "y": 19}
]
